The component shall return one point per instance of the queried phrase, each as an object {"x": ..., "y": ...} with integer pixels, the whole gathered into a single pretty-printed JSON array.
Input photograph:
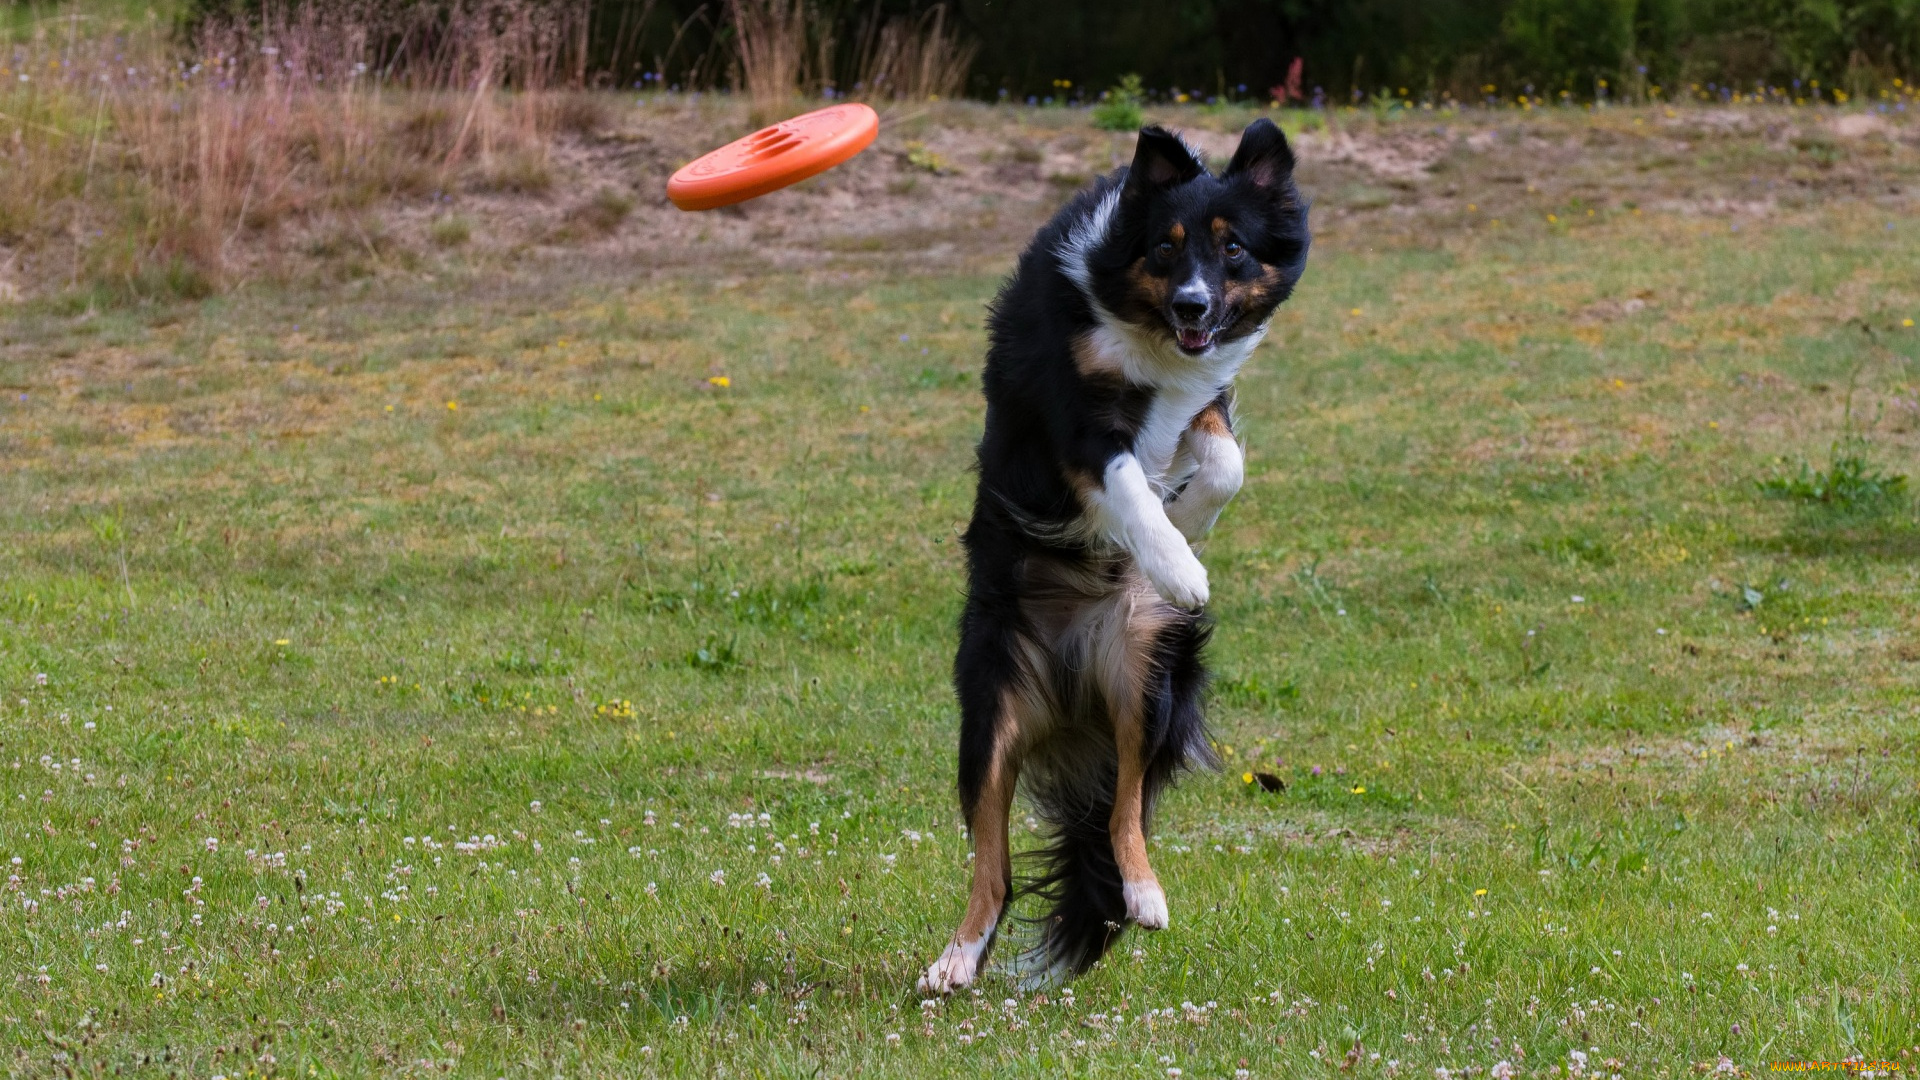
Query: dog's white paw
[
  {"x": 1178, "y": 577},
  {"x": 1209, "y": 491},
  {"x": 955, "y": 969},
  {"x": 1146, "y": 904},
  {"x": 1193, "y": 518}
]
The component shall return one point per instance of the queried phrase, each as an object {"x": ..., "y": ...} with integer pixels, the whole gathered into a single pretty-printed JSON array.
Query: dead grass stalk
[
  {"x": 914, "y": 59},
  {"x": 151, "y": 158}
]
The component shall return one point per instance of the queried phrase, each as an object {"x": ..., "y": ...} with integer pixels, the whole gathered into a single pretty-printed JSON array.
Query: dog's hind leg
[
  {"x": 1146, "y": 901},
  {"x": 1127, "y": 655},
  {"x": 988, "y": 772}
]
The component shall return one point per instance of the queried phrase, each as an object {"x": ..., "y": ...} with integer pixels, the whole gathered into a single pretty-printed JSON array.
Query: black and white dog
[{"x": 1108, "y": 452}]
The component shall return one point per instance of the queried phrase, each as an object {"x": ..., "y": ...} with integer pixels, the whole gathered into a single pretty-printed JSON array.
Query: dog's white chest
[
  {"x": 1182, "y": 385},
  {"x": 1158, "y": 440}
]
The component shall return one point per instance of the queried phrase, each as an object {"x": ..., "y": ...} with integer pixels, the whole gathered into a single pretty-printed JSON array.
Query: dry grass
[
  {"x": 785, "y": 49},
  {"x": 772, "y": 39},
  {"x": 914, "y": 59},
  {"x": 135, "y": 164},
  {"x": 148, "y": 161}
]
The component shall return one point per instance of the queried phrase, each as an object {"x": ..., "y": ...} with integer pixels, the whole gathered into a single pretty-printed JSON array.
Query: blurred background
[{"x": 1217, "y": 48}]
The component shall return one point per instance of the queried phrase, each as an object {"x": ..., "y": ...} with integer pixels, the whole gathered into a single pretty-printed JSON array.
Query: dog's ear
[
  {"x": 1161, "y": 161},
  {"x": 1264, "y": 159}
]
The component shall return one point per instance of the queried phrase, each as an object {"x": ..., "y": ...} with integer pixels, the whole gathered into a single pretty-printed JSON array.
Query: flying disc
[{"x": 774, "y": 157}]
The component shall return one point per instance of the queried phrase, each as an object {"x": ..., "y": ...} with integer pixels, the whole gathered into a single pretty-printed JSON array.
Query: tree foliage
[{"x": 1349, "y": 48}]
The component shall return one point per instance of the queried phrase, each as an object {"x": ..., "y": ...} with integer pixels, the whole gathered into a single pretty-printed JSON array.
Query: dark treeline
[
  {"x": 1437, "y": 47},
  {"x": 1246, "y": 48}
]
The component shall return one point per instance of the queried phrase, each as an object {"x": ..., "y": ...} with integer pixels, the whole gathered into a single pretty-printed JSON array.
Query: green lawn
[{"x": 600, "y": 725}]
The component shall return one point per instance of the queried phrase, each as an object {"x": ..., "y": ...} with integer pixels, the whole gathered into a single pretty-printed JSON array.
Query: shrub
[
  {"x": 925, "y": 160},
  {"x": 1119, "y": 108}
]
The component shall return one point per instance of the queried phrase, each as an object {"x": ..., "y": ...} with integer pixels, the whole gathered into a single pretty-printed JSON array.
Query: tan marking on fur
[
  {"x": 1250, "y": 297},
  {"x": 1149, "y": 293},
  {"x": 992, "y": 861},
  {"x": 1177, "y": 234},
  {"x": 1030, "y": 702},
  {"x": 1221, "y": 230},
  {"x": 1125, "y": 826},
  {"x": 1212, "y": 420},
  {"x": 1084, "y": 484},
  {"x": 1103, "y": 623},
  {"x": 1091, "y": 362},
  {"x": 1103, "y": 628},
  {"x": 1121, "y": 632},
  {"x": 1123, "y": 667}
]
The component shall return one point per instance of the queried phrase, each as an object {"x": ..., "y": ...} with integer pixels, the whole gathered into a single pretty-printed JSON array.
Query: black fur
[
  {"x": 1052, "y": 428},
  {"x": 1076, "y": 875}
]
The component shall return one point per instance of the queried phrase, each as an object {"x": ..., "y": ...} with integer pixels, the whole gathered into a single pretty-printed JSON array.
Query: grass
[
  {"x": 133, "y": 155},
  {"x": 418, "y": 673}
]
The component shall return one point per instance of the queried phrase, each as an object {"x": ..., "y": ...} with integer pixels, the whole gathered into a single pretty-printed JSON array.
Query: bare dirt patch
[{"x": 960, "y": 185}]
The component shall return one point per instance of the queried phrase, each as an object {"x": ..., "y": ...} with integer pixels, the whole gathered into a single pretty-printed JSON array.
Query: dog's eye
[
  {"x": 1234, "y": 251},
  {"x": 1165, "y": 250}
]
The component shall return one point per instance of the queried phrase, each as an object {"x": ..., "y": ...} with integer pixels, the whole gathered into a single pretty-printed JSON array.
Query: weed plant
[{"x": 1119, "y": 108}]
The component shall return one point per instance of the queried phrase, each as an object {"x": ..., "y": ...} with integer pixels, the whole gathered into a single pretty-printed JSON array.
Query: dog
[{"x": 1108, "y": 452}]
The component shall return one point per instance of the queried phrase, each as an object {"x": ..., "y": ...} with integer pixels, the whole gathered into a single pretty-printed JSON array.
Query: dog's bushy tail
[
  {"x": 1071, "y": 784},
  {"x": 1076, "y": 878}
]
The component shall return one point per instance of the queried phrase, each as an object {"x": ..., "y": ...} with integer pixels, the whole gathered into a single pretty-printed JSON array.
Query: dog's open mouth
[{"x": 1194, "y": 341}]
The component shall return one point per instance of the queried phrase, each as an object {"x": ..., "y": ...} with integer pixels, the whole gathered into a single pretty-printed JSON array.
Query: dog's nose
[
  {"x": 1191, "y": 301},
  {"x": 1189, "y": 309}
]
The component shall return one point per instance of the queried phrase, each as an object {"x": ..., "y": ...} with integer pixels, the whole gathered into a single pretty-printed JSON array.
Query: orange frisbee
[{"x": 773, "y": 157}]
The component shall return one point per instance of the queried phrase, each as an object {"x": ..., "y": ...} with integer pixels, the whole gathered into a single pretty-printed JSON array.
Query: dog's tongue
[{"x": 1195, "y": 339}]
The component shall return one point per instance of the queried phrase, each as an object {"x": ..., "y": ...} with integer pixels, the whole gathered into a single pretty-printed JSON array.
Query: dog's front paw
[
  {"x": 1178, "y": 577},
  {"x": 956, "y": 968},
  {"x": 1146, "y": 904},
  {"x": 1192, "y": 517}
]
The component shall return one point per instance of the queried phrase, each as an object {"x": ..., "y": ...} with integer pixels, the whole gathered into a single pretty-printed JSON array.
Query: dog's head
[{"x": 1201, "y": 259}]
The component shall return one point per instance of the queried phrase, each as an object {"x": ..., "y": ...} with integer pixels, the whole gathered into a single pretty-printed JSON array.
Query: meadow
[{"x": 510, "y": 658}]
